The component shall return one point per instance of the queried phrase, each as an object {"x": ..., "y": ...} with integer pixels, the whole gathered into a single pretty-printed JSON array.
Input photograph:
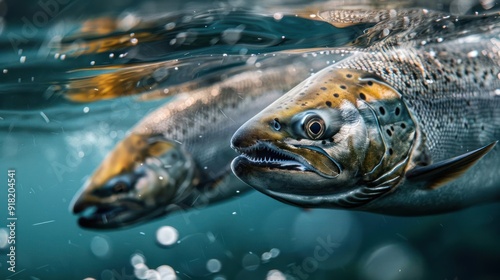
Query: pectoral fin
[{"x": 440, "y": 173}]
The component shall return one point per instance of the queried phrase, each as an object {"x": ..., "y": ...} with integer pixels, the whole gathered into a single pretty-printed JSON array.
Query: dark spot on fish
[
  {"x": 348, "y": 76},
  {"x": 362, "y": 96},
  {"x": 466, "y": 126},
  {"x": 323, "y": 88},
  {"x": 302, "y": 93},
  {"x": 382, "y": 110},
  {"x": 391, "y": 151},
  {"x": 286, "y": 108},
  {"x": 403, "y": 126},
  {"x": 328, "y": 103},
  {"x": 343, "y": 87},
  {"x": 323, "y": 142},
  {"x": 389, "y": 132},
  {"x": 336, "y": 94},
  {"x": 397, "y": 111},
  {"x": 482, "y": 127},
  {"x": 451, "y": 119},
  {"x": 331, "y": 139},
  {"x": 392, "y": 128},
  {"x": 370, "y": 83},
  {"x": 456, "y": 136}
]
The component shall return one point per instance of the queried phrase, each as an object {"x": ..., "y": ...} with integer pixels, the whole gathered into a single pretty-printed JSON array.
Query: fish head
[
  {"x": 136, "y": 182},
  {"x": 339, "y": 139}
]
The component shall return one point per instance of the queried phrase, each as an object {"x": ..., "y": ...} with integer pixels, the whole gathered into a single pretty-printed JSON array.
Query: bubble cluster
[{"x": 142, "y": 271}]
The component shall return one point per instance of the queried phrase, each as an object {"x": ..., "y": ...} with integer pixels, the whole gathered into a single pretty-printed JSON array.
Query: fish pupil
[{"x": 276, "y": 124}]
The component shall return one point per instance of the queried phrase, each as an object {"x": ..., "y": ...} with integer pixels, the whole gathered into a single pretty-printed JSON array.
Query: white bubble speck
[
  {"x": 81, "y": 154},
  {"x": 5, "y": 71},
  {"x": 167, "y": 235},
  {"x": 63, "y": 57},
  {"x": 274, "y": 252},
  {"x": 86, "y": 110},
  {"x": 166, "y": 272},
  {"x": 234, "y": 213},
  {"x": 92, "y": 62},
  {"x": 22, "y": 59},
  {"x": 278, "y": 16},
  {"x": 111, "y": 55},
  {"x": 134, "y": 41},
  {"x": 99, "y": 246},
  {"x": 140, "y": 270},
  {"x": 170, "y": 26},
  {"x": 497, "y": 91},
  {"x": 137, "y": 259},
  {"x": 89, "y": 278},
  {"x": 152, "y": 274},
  {"x": 250, "y": 262},
  {"x": 4, "y": 235},
  {"x": 275, "y": 275},
  {"x": 214, "y": 265},
  {"x": 266, "y": 256}
]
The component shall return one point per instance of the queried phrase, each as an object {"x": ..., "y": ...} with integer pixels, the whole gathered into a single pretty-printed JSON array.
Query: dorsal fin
[{"x": 440, "y": 173}]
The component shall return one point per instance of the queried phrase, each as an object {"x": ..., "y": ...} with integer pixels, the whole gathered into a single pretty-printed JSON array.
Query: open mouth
[{"x": 267, "y": 155}]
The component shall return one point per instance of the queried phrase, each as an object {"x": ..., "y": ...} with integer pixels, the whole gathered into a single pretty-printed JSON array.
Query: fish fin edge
[{"x": 438, "y": 174}]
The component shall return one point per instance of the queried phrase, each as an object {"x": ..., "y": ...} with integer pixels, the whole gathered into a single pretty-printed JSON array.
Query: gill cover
[{"x": 341, "y": 138}]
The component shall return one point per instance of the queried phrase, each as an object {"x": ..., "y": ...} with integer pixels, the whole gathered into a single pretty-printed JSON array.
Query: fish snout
[{"x": 254, "y": 131}]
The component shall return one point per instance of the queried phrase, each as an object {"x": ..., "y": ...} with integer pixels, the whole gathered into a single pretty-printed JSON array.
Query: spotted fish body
[
  {"x": 178, "y": 157},
  {"x": 359, "y": 134}
]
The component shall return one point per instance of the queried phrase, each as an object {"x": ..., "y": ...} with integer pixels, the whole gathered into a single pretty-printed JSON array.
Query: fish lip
[
  {"x": 276, "y": 158},
  {"x": 112, "y": 215}
]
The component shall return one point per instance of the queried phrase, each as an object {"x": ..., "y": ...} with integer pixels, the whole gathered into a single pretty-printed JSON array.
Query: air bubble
[
  {"x": 250, "y": 262},
  {"x": 214, "y": 265},
  {"x": 166, "y": 272},
  {"x": 167, "y": 235},
  {"x": 275, "y": 275},
  {"x": 99, "y": 246},
  {"x": 137, "y": 259}
]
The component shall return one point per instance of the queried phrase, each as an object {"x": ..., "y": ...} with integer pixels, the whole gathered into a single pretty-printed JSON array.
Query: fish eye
[
  {"x": 276, "y": 124},
  {"x": 314, "y": 127},
  {"x": 120, "y": 187}
]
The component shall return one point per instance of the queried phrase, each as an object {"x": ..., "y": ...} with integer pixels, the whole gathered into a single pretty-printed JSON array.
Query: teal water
[{"x": 54, "y": 144}]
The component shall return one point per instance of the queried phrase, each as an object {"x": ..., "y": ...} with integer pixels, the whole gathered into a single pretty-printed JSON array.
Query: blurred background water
[{"x": 54, "y": 144}]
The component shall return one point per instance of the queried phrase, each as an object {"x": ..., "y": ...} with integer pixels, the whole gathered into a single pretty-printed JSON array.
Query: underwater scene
[{"x": 220, "y": 140}]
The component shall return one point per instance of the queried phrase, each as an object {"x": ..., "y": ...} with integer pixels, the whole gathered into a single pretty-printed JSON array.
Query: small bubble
[
  {"x": 4, "y": 234},
  {"x": 111, "y": 55},
  {"x": 134, "y": 41},
  {"x": 22, "y": 59},
  {"x": 214, "y": 265},
  {"x": 86, "y": 110},
  {"x": 5, "y": 71},
  {"x": 160, "y": 177},
  {"x": 278, "y": 16},
  {"x": 56, "y": 55},
  {"x": 234, "y": 213},
  {"x": 166, "y": 272},
  {"x": 275, "y": 275},
  {"x": 99, "y": 246},
  {"x": 250, "y": 262},
  {"x": 167, "y": 235},
  {"x": 137, "y": 259},
  {"x": 140, "y": 270},
  {"x": 81, "y": 154},
  {"x": 266, "y": 256},
  {"x": 274, "y": 252},
  {"x": 170, "y": 26},
  {"x": 63, "y": 57}
]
